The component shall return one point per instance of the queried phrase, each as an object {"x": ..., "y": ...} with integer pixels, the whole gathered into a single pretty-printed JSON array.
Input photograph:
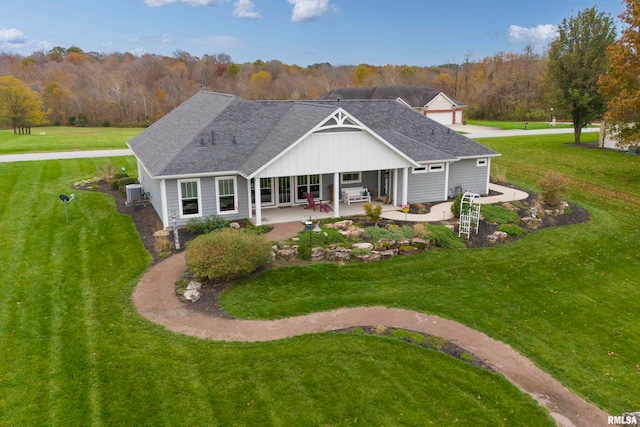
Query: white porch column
[
  {"x": 256, "y": 190},
  {"x": 405, "y": 185},
  {"x": 488, "y": 174},
  {"x": 249, "y": 198},
  {"x": 336, "y": 195},
  {"x": 395, "y": 187},
  {"x": 446, "y": 180}
]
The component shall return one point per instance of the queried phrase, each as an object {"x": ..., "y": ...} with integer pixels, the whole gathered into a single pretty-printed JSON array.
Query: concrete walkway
[
  {"x": 442, "y": 211},
  {"x": 59, "y": 155},
  {"x": 155, "y": 299}
]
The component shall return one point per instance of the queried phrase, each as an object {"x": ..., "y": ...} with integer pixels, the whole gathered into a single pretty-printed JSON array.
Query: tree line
[{"x": 87, "y": 88}]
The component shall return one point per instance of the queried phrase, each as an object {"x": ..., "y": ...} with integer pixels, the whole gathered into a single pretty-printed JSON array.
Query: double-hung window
[
  {"x": 189, "y": 196},
  {"x": 226, "y": 187}
]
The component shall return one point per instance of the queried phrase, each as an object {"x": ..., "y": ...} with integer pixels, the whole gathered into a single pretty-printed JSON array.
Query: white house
[{"x": 218, "y": 154}]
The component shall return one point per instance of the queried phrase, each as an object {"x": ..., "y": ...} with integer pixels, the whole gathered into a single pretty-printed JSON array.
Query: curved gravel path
[{"x": 155, "y": 299}]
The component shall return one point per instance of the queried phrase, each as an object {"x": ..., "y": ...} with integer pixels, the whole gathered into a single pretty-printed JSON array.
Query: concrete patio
[{"x": 439, "y": 212}]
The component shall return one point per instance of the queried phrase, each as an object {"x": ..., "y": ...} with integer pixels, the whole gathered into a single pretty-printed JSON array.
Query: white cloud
[
  {"x": 152, "y": 40},
  {"x": 156, "y": 3},
  {"x": 11, "y": 36},
  {"x": 244, "y": 9},
  {"x": 539, "y": 36},
  {"x": 309, "y": 10},
  {"x": 218, "y": 42}
]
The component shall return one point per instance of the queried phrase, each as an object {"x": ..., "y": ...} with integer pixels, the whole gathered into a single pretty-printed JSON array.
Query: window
[
  {"x": 438, "y": 167},
  {"x": 481, "y": 162},
  {"x": 226, "y": 194},
  {"x": 350, "y": 178},
  {"x": 307, "y": 184},
  {"x": 422, "y": 169},
  {"x": 266, "y": 191},
  {"x": 189, "y": 196}
]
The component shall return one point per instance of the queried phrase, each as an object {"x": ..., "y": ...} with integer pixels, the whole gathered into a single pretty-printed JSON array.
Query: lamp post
[
  {"x": 308, "y": 223},
  {"x": 551, "y": 117}
]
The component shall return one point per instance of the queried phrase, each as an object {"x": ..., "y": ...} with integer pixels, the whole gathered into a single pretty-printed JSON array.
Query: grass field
[
  {"x": 64, "y": 138},
  {"x": 73, "y": 351},
  {"x": 503, "y": 125}
]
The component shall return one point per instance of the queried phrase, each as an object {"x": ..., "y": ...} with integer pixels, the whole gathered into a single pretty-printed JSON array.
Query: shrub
[
  {"x": 373, "y": 213},
  {"x": 163, "y": 246},
  {"x": 512, "y": 230},
  {"x": 553, "y": 185},
  {"x": 500, "y": 175},
  {"x": 455, "y": 206},
  {"x": 123, "y": 182},
  {"x": 393, "y": 232},
  {"x": 106, "y": 171},
  {"x": 206, "y": 224},
  {"x": 419, "y": 230},
  {"x": 442, "y": 237},
  {"x": 227, "y": 254},
  {"x": 498, "y": 214}
]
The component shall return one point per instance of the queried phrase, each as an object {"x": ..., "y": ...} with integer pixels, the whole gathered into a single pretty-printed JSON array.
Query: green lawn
[
  {"x": 504, "y": 125},
  {"x": 73, "y": 350},
  {"x": 567, "y": 297},
  {"x": 63, "y": 138}
]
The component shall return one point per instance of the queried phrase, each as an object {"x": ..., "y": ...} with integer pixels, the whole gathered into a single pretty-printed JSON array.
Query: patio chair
[{"x": 311, "y": 202}]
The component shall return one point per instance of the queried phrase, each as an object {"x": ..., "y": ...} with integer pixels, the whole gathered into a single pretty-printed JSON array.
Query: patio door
[{"x": 284, "y": 190}]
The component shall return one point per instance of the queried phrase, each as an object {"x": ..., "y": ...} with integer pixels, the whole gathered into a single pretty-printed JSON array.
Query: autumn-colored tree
[
  {"x": 620, "y": 83},
  {"x": 260, "y": 82},
  {"x": 19, "y": 106},
  {"x": 576, "y": 61},
  {"x": 361, "y": 74}
]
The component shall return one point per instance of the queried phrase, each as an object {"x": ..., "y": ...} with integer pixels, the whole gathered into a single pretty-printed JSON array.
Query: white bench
[{"x": 355, "y": 194}]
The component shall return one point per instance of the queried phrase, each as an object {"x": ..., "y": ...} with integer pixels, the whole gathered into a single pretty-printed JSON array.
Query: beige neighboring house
[{"x": 429, "y": 102}]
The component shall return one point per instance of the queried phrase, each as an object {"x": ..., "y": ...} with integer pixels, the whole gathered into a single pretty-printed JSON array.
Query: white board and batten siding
[
  {"x": 335, "y": 152},
  {"x": 469, "y": 175}
]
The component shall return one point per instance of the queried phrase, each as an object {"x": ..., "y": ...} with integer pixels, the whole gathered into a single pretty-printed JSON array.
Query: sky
[{"x": 302, "y": 32}]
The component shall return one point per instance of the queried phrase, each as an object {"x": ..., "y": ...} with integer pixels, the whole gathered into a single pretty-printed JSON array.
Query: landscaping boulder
[
  {"x": 389, "y": 253},
  {"x": 370, "y": 257},
  {"x": 317, "y": 254},
  {"x": 234, "y": 225},
  {"x": 363, "y": 245},
  {"x": 531, "y": 222},
  {"x": 385, "y": 244},
  {"x": 193, "y": 291},
  {"x": 288, "y": 252},
  {"x": 347, "y": 228},
  {"x": 338, "y": 254},
  {"x": 497, "y": 236}
]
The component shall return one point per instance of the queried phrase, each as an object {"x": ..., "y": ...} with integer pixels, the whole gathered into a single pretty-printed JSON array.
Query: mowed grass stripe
[{"x": 27, "y": 287}]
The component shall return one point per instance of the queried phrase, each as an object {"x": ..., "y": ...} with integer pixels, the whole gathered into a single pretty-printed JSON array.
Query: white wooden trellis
[{"x": 469, "y": 213}]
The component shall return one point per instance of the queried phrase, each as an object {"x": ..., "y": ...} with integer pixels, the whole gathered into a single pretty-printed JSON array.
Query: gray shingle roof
[
  {"x": 416, "y": 97},
  {"x": 249, "y": 134}
]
